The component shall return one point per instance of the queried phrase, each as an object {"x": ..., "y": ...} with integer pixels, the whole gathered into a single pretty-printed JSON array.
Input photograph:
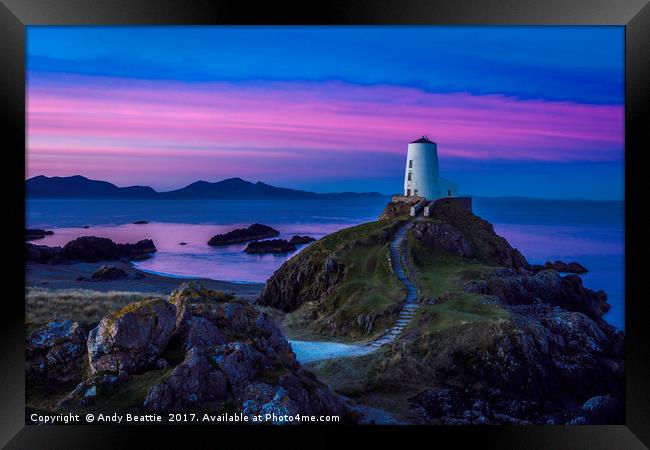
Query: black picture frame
[{"x": 15, "y": 15}]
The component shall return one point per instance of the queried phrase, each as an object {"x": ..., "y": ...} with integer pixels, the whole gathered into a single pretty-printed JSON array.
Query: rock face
[
  {"x": 193, "y": 382},
  {"x": 299, "y": 240},
  {"x": 399, "y": 206},
  {"x": 572, "y": 267},
  {"x": 35, "y": 233},
  {"x": 55, "y": 353},
  {"x": 486, "y": 244},
  {"x": 107, "y": 273},
  {"x": 132, "y": 339},
  {"x": 233, "y": 356},
  {"x": 89, "y": 249},
  {"x": 547, "y": 286},
  {"x": 314, "y": 273},
  {"x": 252, "y": 233},
  {"x": 539, "y": 367},
  {"x": 442, "y": 236},
  {"x": 270, "y": 246}
]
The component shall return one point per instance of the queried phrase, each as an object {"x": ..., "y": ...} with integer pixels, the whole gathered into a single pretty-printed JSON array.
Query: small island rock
[
  {"x": 298, "y": 240},
  {"x": 270, "y": 246},
  {"x": 36, "y": 233},
  {"x": 254, "y": 232}
]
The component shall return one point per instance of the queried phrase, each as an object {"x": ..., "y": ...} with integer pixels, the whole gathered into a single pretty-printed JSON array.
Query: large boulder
[
  {"x": 211, "y": 352},
  {"x": 55, "y": 353},
  {"x": 192, "y": 382},
  {"x": 132, "y": 339},
  {"x": 108, "y": 273}
]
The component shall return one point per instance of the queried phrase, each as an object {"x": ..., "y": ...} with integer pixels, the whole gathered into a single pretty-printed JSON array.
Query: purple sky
[{"x": 325, "y": 132}]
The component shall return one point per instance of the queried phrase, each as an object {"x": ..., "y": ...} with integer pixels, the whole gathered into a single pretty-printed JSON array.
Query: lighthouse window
[
  {"x": 410, "y": 163},
  {"x": 409, "y": 178},
  {"x": 415, "y": 192}
]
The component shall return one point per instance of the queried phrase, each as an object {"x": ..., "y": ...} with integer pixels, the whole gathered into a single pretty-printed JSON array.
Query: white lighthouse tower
[{"x": 422, "y": 175}]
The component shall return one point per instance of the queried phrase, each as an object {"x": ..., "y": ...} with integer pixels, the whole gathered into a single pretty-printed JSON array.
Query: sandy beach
[{"x": 65, "y": 276}]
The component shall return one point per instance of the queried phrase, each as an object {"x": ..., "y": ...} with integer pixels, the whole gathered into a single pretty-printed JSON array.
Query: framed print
[{"x": 366, "y": 218}]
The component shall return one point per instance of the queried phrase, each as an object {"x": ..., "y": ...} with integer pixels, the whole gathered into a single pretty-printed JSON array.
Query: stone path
[{"x": 397, "y": 250}]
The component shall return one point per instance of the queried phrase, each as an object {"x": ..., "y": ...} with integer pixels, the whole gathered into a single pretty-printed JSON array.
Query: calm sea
[{"x": 591, "y": 233}]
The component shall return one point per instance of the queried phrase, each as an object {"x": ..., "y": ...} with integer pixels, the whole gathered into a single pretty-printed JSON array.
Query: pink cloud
[{"x": 77, "y": 122}]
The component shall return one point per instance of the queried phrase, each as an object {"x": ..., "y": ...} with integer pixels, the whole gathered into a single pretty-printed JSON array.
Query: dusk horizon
[
  {"x": 289, "y": 185},
  {"x": 330, "y": 109}
]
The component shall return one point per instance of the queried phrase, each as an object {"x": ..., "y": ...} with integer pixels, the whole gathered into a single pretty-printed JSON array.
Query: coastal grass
[
  {"x": 441, "y": 277},
  {"x": 81, "y": 305},
  {"x": 369, "y": 286},
  {"x": 368, "y": 381}
]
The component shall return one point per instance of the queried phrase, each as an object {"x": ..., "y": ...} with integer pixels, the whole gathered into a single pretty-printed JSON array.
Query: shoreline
[{"x": 64, "y": 276}]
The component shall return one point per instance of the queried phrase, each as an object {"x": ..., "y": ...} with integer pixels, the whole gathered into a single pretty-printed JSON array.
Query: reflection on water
[
  {"x": 591, "y": 233},
  {"x": 196, "y": 258}
]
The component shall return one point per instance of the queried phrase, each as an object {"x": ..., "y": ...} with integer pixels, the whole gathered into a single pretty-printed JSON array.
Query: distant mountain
[
  {"x": 82, "y": 187},
  {"x": 230, "y": 189}
]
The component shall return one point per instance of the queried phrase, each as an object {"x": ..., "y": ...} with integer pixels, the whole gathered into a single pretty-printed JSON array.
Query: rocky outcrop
[
  {"x": 300, "y": 240},
  {"x": 399, "y": 206},
  {"x": 89, "y": 249},
  {"x": 539, "y": 367},
  {"x": 108, "y": 273},
  {"x": 140, "y": 222},
  {"x": 486, "y": 244},
  {"x": 547, "y": 286},
  {"x": 270, "y": 246},
  {"x": 252, "y": 233},
  {"x": 315, "y": 272},
  {"x": 436, "y": 235},
  {"x": 231, "y": 354},
  {"x": 35, "y": 233},
  {"x": 572, "y": 267},
  {"x": 55, "y": 353},
  {"x": 193, "y": 382},
  {"x": 132, "y": 339},
  {"x": 297, "y": 281}
]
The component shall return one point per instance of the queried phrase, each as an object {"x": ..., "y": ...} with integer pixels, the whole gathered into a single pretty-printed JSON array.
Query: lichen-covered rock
[
  {"x": 55, "y": 353},
  {"x": 268, "y": 400},
  {"x": 538, "y": 366},
  {"x": 209, "y": 354},
  {"x": 131, "y": 339},
  {"x": 191, "y": 383}
]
